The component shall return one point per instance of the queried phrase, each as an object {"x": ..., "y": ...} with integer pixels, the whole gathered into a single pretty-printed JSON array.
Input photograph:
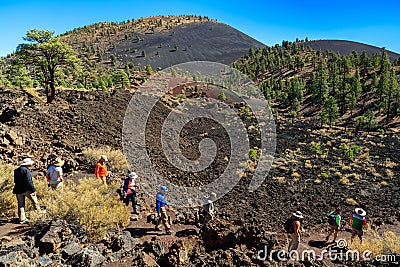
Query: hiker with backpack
[
  {"x": 129, "y": 190},
  {"x": 293, "y": 227},
  {"x": 161, "y": 205},
  {"x": 207, "y": 213},
  {"x": 334, "y": 220},
  {"x": 54, "y": 174},
  {"x": 358, "y": 224}
]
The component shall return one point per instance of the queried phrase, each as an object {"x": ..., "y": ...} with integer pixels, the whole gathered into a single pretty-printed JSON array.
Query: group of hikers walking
[
  {"x": 358, "y": 225},
  {"x": 24, "y": 188}
]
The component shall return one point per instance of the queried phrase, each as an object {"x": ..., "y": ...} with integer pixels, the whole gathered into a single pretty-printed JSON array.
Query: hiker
[
  {"x": 208, "y": 209},
  {"x": 334, "y": 220},
  {"x": 358, "y": 224},
  {"x": 101, "y": 169},
  {"x": 54, "y": 174},
  {"x": 162, "y": 206},
  {"x": 295, "y": 230},
  {"x": 24, "y": 188},
  {"x": 129, "y": 190}
]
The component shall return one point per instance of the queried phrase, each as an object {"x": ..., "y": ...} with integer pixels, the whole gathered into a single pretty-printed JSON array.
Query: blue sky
[{"x": 371, "y": 22}]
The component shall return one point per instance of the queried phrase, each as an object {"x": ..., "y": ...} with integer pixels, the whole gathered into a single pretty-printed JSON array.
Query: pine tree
[
  {"x": 47, "y": 54},
  {"x": 391, "y": 94},
  {"x": 354, "y": 93},
  {"x": 120, "y": 78},
  {"x": 383, "y": 84},
  {"x": 330, "y": 111}
]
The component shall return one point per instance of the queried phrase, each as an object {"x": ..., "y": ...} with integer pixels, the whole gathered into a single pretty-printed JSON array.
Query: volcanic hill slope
[
  {"x": 344, "y": 47},
  {"x": 160, "y": 41}
]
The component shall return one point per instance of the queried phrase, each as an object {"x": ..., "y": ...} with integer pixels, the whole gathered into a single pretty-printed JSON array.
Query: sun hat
[
  {"x": 360, "y": 212},
  {"x": 133, "y": 175},
  {"x": 163, "y": 188},
  {"x": 59, "y": 162},
  {"x": 298, "y": 214},
  {"x": 27, "y": 161},
  {"x": 104, "y": 157},
  {"x": 213, "y": 195}
]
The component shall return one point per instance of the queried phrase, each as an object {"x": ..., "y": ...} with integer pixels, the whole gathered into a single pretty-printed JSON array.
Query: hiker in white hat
[
  {"x": 129, "y": 190},
  {"x": 295, "y": 230},
  {"x": 358, "y": 224},
  {"x": 24, "y": 188},
  {"x": 54, "y": 173},
  {"x": 208, "y": 210}
]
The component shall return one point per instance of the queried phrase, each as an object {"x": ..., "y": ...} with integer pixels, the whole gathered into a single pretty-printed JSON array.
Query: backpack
[
  {"x": 289, "y": 226},
  {"x": 332, "y": 219}
]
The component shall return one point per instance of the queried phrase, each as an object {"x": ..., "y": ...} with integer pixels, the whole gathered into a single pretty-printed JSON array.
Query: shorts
[{"x": 357, "y": 232}]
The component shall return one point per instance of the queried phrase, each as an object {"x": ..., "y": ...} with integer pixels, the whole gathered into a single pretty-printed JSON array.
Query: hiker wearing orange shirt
[{"x": 101, "y": 169}]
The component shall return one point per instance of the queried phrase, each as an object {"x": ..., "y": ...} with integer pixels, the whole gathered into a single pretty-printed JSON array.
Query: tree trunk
[
  {"x": 388, "y": 108},
  {"x": 51, "y": 95}
]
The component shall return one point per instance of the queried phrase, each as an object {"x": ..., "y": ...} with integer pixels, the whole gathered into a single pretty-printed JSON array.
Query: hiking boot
[
  {"x": 158, "y": 228},
  {"x": 24, "y": 221}
]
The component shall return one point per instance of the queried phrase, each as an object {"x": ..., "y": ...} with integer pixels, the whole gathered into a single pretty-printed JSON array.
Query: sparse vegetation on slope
[{"x": 349, "y": 89}]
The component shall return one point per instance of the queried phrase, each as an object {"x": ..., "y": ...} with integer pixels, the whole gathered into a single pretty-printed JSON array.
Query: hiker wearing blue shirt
[{"x": 162, "y": 206}]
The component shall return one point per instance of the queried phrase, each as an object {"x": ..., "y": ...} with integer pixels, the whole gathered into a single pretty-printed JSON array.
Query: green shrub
[
  {"x": 316, "y": 148},
  {"x": 349, "y": 152},
  {"x": 324, "y": 175},
  {"x": 252, "y": 154},
  {"x": 181, "y": 96},
  {"x": 222, "y": 96}
]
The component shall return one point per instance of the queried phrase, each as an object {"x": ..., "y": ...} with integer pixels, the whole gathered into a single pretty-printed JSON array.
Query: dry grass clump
[
  {"x": 296, "y": 176},
  {"x": 281, "y": 179},
  {"x": 351, "y": 201},
  {"x": 374, "y": 172},
  {"x": 354, "y": 176},
  {"x": 251, "y": 166},
  {"x": 389, "y": 163},
  {"x": 383, "y": 183},
  {"x": 345, "y": 181},
  {"x": 317, "y": 181},
  {"x": 387, "y": 244},
  {"x": 33, "y": 92},
  {"x": 308, "y": 164},
  {"x": 8, "y": 201},
  {"x": 389, "y": 173},
  {"x": 116, "y": 158},
  {"x": 90, "y": 203},
  {"x": 346, "y": 168}
]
